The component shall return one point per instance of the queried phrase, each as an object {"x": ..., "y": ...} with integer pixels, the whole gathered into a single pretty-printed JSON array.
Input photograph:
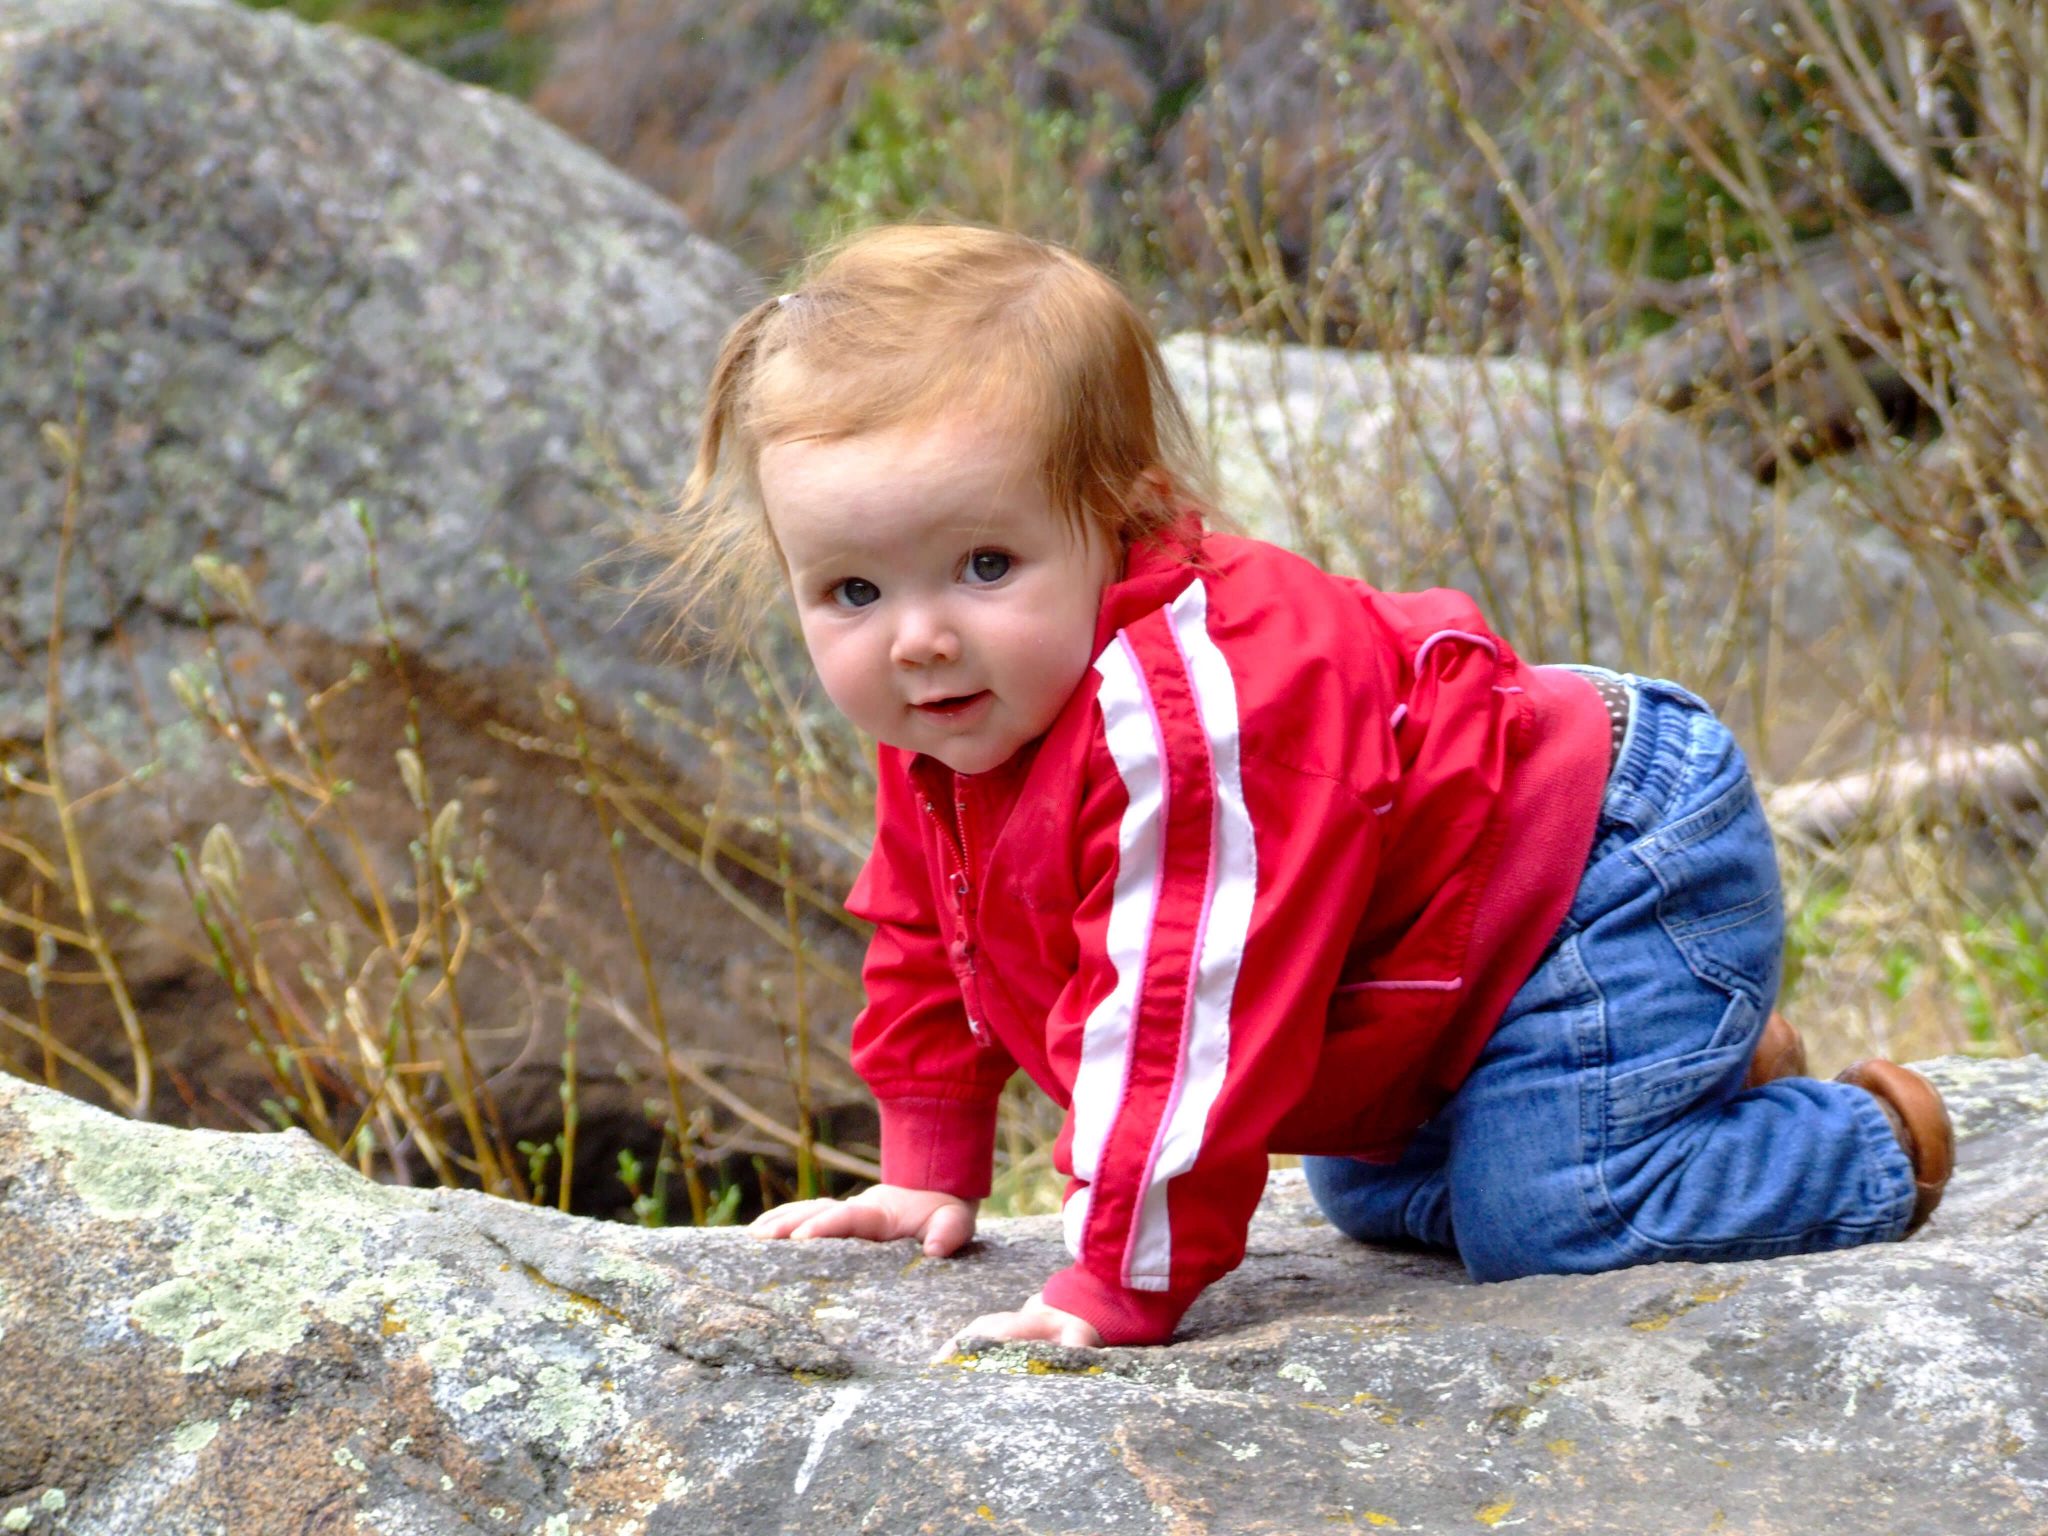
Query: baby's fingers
[
  {"x": 950, "y": 1227},
  {"x": 849, "y": 1218},
  {"x": 786, "y": 1220}
]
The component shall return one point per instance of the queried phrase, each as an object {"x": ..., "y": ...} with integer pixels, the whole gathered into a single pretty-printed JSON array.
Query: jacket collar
[{"x": 1155, "y": 573}]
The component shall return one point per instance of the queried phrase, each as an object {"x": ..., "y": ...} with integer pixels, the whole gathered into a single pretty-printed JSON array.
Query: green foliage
[
  {"x": 1808, "y": 937},
  {"x": 1675, "y": 218},
  {"x": 650, "y": 1200},
  {"x": 1984, "y": 976},
  {"x": 927, "y": 141},
  {"x": 468, "y": 40},
  {"x": 1998, "y": 968}
]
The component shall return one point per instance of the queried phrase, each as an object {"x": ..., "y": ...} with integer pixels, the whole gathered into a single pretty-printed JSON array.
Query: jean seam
[
  {"x": 1722, "y": 921},
  {"x": 1682, "y": 933},
  {"x": 1696, "y": 826},
  {"x": 1593, "y": 1128},
  {"x": 1622, "y": 1235}
]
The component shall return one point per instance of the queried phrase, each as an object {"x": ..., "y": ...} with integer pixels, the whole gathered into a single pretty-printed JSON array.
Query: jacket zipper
[{"x": 954, "y": 835}]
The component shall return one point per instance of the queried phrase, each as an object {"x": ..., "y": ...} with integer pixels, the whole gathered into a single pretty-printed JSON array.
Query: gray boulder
[
  {"x": 295, "y": 282},
  {"x": 293, "y": 274},
  {"x": 205, "y": 1332},
  {"x": 1589, "y": 524}
]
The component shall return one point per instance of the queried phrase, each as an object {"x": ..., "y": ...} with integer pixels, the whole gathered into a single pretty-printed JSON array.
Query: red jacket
[{"x": 1264, "y": 886}]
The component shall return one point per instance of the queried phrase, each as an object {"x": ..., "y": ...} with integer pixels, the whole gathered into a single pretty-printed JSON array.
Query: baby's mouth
[{"x": 953, "y": 704}]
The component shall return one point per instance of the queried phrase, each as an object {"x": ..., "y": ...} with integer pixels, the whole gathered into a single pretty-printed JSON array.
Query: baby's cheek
[{"x": 857, "y": 689}]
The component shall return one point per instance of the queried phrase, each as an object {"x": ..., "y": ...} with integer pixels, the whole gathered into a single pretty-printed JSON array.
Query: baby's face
[{"x": 948, "y": 608}]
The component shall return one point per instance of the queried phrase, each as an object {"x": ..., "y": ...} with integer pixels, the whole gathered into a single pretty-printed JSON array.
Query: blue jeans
[{"x": 1606, "y": 1123}]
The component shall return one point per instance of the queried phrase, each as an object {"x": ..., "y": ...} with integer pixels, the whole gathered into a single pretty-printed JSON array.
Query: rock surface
[
  {"x": 292, "y": 272},
  {"x": 207, "y": 1333},
  {"x": 290, "y": 277}
]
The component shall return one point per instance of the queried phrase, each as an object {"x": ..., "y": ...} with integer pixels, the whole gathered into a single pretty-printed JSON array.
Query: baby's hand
[
  {"x": 943, "y": 1223},
  {"x": 1034, "y": 1320}
]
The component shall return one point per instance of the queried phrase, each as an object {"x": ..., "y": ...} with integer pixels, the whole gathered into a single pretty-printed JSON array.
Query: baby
[{"x": 1232, "y": 856}]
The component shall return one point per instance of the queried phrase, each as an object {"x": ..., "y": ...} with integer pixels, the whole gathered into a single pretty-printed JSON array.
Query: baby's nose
[{"x": 923, "y": 638}]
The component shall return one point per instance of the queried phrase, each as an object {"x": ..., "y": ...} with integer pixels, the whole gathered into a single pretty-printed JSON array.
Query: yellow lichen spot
[
  {"x": 392, "y": 1323},
  {"x": 1564, "y": 1448},
  {"x": 1374, "y": 1517},
  {"x": 985, "y": 1512},
  {"x": 576, "y": 1299},
  {"x": 1037, "y": 1367},
  {"x": 1705, "y": 1295},
  {"x": 1493, "y": 1514}
]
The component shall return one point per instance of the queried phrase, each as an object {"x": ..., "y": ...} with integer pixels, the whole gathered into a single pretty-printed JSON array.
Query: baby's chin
[
  {"x": 970, "y": 761},
  {"x": 969, "y": 756}
]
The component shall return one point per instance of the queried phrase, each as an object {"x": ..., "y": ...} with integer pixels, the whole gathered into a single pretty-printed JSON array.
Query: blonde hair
[{"x": 904, "y": 324}]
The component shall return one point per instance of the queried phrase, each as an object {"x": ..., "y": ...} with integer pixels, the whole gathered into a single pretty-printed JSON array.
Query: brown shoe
[
  {"x": 1779, "y": 1053},
  {"x": 1920, "y": 1121}
]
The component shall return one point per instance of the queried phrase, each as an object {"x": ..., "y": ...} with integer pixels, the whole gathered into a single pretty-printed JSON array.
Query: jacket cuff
[
  {"x": 1120, "y": 1315},
  {"x": 947, "y": 1146}
]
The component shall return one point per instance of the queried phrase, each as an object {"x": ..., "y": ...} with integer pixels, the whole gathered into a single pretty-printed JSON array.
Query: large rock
[
  {"x": 206, "y": 1332},
  {"x": 292, "y": 280},
  {"x": 1591, "y": 525}
]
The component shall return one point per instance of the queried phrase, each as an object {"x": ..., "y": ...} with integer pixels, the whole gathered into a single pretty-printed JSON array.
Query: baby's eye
[
  {"x": 987, "y": 565},
  {"x": 854, "y": 592}
]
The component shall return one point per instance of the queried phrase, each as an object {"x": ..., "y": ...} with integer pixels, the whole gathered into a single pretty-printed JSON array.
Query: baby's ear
[{"x": 1151, "y": 485}]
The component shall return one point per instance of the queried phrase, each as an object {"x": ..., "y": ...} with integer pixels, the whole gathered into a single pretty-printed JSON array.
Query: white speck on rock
[
  {"x": 844, "y": 1401},
  {"x": 1932, "y": 1362},
  {"x": 1295, "y": 1371},
  {"x": 1648, "y": 1382},
  {"x": 190, "y": 1439},
  {"x": 486, "y": 1393}
]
